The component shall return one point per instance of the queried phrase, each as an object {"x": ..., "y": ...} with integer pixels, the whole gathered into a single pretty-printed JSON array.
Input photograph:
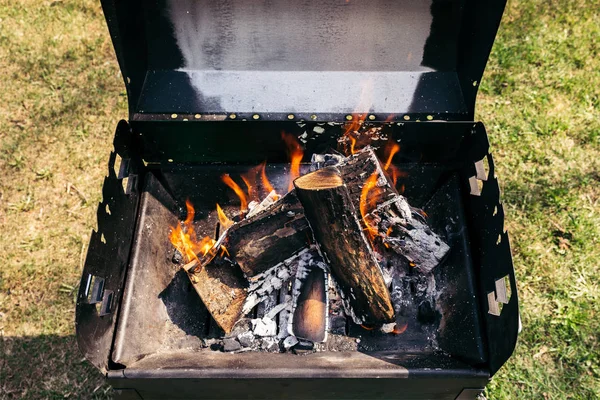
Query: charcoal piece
[
  {"x": 177, "y": 257},
  {"x": 231, "y": 345},
  {"x": 337, "y": 324},
  {"x": 404, "y": 229},
  {"x": 338, "y": 232},
  {"x": 290, "y": 341},
  {"x": 269, "y": 344},
  {"x": 246, "y": 339},
  {"x": 303, "y": 347},
  {"x": 426, "y": 313}
]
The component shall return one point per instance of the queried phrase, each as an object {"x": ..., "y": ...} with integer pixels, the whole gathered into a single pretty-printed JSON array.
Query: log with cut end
[
  {"x": 334, "y": 221},
  {"x": 223, "y": 290},
  {"x": 269, "y": 237},
  {"x": 310, "y": 314}
]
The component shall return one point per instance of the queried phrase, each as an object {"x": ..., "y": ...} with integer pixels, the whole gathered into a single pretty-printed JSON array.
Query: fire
[
  {"x": 238, "y": 191},
  {"x": 223, "y": 220},
  {"x": 366, "y": 204},
  {"x": 183, "y": 237},
  {"x": 351, "y": 130},
  {"x": 295, "y": 154},
  {"x": 393, "y": 149},
  {"x": 390, "y": 150},
  {"x": 254, "y": 183},
  {"x": 265, "y": 181}
]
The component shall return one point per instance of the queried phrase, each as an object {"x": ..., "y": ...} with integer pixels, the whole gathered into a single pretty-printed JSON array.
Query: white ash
[
  {"x": 246, "y": 339},
  {"x": 290, "y": 342},
  {"x": 256, "y": 208},
  {"x": 388, "y": 328},
  {"x": 276, "y": 310},
  {"x": 319, "y": 161},
  {"x": 275, "y": 278},
  {"x": 264, "y": 327},
  {"x": 318, "y": 130},
  {"x": 284, "y": 315}
]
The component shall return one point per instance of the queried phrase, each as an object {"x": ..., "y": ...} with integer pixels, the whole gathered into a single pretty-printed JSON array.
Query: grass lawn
[{"x": 61, "y": 96}]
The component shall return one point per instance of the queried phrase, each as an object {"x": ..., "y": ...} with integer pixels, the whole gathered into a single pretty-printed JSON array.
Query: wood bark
[
  {"x": 334, "y": 221},
  {"x": 269, "y": 237},
  {"x": 401, "y": 227},
  {"x": 404, "y": 229}
]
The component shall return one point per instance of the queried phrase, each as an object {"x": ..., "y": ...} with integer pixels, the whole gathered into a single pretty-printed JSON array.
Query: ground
[{"x": 62, "y": 93}]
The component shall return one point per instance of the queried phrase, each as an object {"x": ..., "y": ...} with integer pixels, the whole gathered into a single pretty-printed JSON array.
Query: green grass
[{"x": 540, "y": 100}]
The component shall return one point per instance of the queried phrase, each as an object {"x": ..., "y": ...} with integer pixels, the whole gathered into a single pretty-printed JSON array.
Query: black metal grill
[{"x": 138, "y": 319}]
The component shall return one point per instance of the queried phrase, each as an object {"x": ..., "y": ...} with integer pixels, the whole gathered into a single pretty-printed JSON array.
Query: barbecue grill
[{"x": 211, "y": 86}]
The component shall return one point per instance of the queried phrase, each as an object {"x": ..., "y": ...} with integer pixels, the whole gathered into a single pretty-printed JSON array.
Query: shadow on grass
[{"x": 47, "y": 367}]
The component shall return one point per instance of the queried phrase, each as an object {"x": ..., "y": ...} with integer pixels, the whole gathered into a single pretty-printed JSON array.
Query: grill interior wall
[{"x": 162, "y": 315}]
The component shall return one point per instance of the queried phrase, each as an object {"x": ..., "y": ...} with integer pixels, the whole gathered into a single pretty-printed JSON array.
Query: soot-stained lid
[{"x": 289, "y": 59}]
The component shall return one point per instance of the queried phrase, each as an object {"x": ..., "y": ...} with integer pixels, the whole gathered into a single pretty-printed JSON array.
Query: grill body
[{"x": 211, "y": 86}]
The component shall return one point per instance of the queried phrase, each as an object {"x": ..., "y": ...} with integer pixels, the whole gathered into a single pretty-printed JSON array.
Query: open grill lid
[{"x": 319, "y": 60}]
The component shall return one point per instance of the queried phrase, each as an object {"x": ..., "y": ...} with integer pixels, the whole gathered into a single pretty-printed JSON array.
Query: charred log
[
  {"x": 405, "y": 230},
  {"x": 269, "y": 237},
  {"x": 334, "y": 221}
]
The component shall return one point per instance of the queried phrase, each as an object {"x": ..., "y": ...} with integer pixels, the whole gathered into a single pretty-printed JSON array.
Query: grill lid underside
[{"x": 319, "y": 60}]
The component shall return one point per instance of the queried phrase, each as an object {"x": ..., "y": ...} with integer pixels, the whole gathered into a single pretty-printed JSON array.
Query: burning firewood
[
  {"x": 310, "y": 314},
  {"x": 387, "y": 215},
  {"x": 268, "y": 237},
  {"x": 335, "y": 223},
  {"x": 408, "y": 234}
]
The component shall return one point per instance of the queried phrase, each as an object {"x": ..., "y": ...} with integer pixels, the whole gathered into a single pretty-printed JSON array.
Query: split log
[
  {"x": 310, "y": 314},
  {"x": 405, "y": 230},
  {"x": 222, "y": 288},
  {"x": 269, "y": 237},
  {"x": 402, "y": 228},
  {"x": 355, "y": 171},
  {"x": 338, "y": 232}
]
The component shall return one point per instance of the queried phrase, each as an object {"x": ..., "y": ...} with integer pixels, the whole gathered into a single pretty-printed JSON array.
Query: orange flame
[
  {"x": 295, "y": 154},
  {"x": 367, "y": 327},
  {"x": 238, "y": 191},
  {"x": 252, "y": 182},
  {"x": 365, "y": 204},
  {"x": 223, "y": 220},
  {"x": 265, "y": 181},
  {"x": 351, "y": 130},
  {"x": 183, "y": 237},
  {"x": 390, "y": 150}
]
